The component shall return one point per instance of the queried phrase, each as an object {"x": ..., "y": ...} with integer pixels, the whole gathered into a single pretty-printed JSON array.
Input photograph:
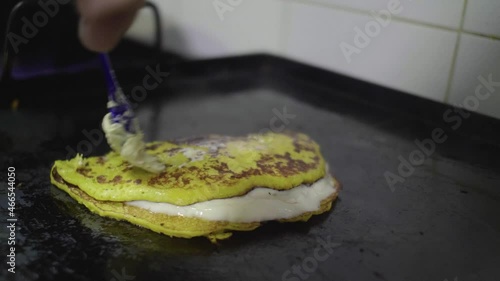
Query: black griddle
[{"x": 442, "y": 223}]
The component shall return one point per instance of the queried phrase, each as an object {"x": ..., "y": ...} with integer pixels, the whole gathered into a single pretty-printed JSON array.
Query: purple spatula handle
[
  {"x": 122, "y": 111},
  {"x": 109, "y": 74}
]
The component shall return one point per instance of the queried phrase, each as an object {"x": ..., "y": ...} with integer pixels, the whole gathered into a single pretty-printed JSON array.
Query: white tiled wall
[
  {"x": 442, "y": 12},
  {"x": 433, "y": 49},
  {"x": 194, "y": 28},
  {"x": 398, "y": 57},
  {"x": 477, "y": 57},
  {"x": 483, "y": 16}
]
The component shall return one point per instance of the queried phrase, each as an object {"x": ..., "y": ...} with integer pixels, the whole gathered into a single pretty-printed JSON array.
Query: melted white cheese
[
  {"x": 260, "y": 204},
  {"x": 130, "y": 146}
]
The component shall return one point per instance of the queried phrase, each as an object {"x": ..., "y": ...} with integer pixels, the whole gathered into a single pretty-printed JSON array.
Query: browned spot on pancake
[
  {"x": 157, "y": 179},
  {"x": 152, "y": 146},
  {"x": 101, "y": 160},
  {"x": 128, "y": 168},
  {"x": 59, "y": 179},
  {"x": 101, "y": 179},
  {"x": 84, "y": 172},
  {"x": 56, "y": 176},
  {"x": 300, "y": 147},
  {"x": 288, "y": 167},
  {"x": 247, "y": 173},
  {"x": 222, "y": 168},
  {"x": 264, "y": 165},
  {"x": 172, "y": 151},
  {"x": 116, "y": 179},
  {"x": 294, "y": 166}
]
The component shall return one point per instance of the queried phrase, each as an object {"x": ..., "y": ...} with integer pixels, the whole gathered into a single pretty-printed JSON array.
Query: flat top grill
[{"x": 442, "y": 222}]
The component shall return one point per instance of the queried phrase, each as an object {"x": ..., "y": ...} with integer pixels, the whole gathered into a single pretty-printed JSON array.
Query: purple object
[{"x": 121, "y": 111}]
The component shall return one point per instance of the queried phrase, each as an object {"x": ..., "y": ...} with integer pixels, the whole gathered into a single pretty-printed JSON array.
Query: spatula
[{"x": 121, "y": 126}]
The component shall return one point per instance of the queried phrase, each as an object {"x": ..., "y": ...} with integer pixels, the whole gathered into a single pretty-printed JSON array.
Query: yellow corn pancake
[{"x": 232, "y": 173}]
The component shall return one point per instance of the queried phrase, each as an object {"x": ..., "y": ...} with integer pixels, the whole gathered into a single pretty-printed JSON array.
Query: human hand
[{"x": 103, "y": 22}]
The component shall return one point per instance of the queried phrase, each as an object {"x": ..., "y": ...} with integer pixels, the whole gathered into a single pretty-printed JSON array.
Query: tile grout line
[
  {"x": 455, "y": 55},
  {"x": 366, "y": 12},
  {"x": 399, "y": 19},
  {"x": 484, "y": 35}
]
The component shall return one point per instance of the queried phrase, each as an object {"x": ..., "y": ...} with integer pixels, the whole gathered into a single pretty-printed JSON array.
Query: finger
[
  {"x": 104, "y": 34},
  {"x": 103, "y": 22}
]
